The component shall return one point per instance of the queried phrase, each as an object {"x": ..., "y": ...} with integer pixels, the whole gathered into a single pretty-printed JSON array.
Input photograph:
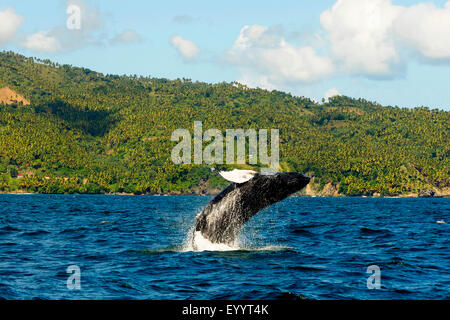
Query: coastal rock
[
  {"x": 427, "y": 193},
  {"x": 329, "y": 190}
]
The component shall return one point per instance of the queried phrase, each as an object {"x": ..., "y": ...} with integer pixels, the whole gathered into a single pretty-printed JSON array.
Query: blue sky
[{"x": 392, "y": 52}]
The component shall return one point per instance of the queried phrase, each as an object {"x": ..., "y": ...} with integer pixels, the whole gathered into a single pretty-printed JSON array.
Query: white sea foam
[{"x": 196, "y": 242}]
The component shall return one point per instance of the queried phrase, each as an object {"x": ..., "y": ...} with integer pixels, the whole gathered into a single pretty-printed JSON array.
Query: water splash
[{"x": 196, "y": 242}]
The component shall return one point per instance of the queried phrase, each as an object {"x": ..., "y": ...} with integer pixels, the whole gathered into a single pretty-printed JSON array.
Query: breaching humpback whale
[{"x": 222, "y": 218}]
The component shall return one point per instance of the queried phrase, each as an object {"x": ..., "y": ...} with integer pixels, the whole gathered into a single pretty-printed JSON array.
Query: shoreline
[{"x": 20, "y": 192}]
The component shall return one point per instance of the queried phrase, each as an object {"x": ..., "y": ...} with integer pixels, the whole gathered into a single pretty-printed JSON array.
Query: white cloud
[
  {"x": 42, "y": 42},
  {"x": 255, "y": 80},
  {"x": 188, "y": 49},
  {"x": 92, "y": 31},
  {"x": 128, "y": 36},
  {"x": 257, "y": 36},
  {"x": 61, "y": 39},
  {"x": 267, "y": 60},
  {"x": 91, "y": 17},
  {"x": 368, "y": 37},
  {"x": 426, "y": 28},
  {"x": 372, "y": 38},
  {"x": 332, "y": 92},
  {"x": 360, "y": 35},
  {"x": 9, "y": 23}
]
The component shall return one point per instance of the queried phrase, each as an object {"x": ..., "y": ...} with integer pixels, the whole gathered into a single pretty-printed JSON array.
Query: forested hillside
[{"x": 86, "y": 132}]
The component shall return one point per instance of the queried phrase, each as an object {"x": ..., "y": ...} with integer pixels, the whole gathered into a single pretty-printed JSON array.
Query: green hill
[{"x": 86, "y": 132}]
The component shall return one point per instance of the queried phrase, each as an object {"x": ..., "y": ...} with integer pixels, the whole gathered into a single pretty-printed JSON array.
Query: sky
[{"x": 391, "y": 52}]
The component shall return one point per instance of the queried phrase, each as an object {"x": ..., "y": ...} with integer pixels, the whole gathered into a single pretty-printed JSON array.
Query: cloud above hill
[
  {"x": 266, "y": 59},
  {"x": 92, "y": 31},
  {"x": 374, "y": 37},
  {"x": 9, "y": 23},
  {"x": 42, "y": 42},
  {"x": 369, "y": 38},
  {"x": 126, "y": 37},
  {"x": 186, "y": 48}
]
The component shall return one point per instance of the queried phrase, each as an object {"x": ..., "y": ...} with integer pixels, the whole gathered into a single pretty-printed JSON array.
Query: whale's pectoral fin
[{"x": 238, "y": 176}]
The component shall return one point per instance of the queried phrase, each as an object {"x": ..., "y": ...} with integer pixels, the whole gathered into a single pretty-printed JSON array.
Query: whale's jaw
[{"x": 223, "y": 217}]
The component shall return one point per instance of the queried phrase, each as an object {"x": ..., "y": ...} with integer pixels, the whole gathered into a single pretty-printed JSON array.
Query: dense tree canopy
[{"x": 86, "y": 132}]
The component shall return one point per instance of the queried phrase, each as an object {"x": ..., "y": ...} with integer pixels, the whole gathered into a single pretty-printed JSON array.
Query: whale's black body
[{"x": 222, "y": 218}]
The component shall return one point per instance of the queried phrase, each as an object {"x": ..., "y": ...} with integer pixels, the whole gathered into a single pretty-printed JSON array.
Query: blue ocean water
[{"x": 133, "y": 247}]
